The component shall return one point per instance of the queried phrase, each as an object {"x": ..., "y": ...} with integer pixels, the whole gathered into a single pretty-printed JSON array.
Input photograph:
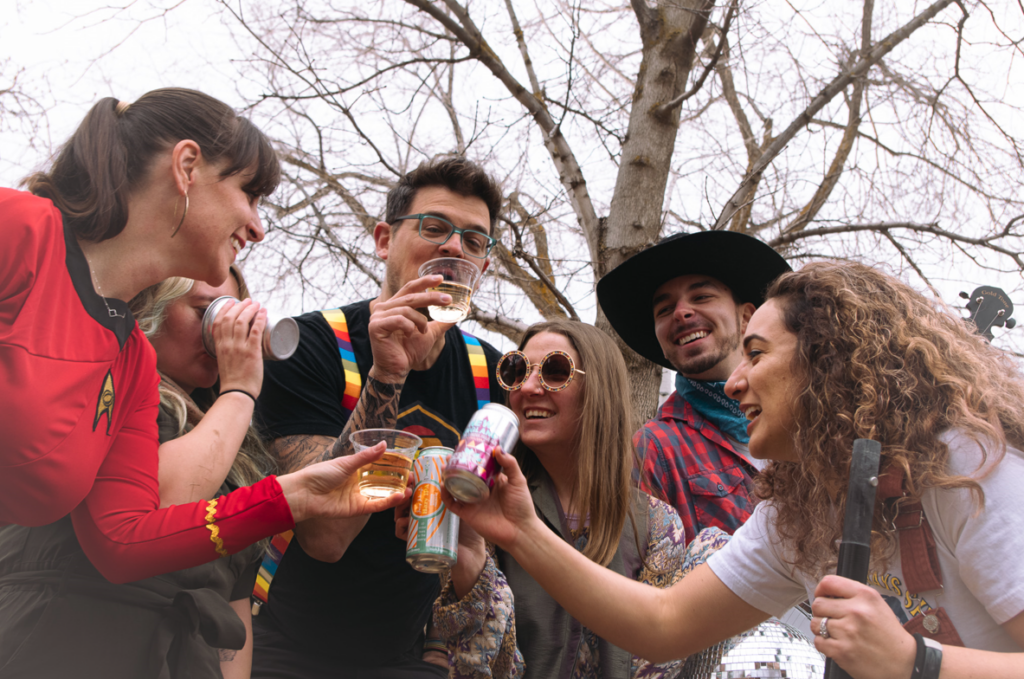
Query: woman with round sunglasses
[
  {"x": 839, "y": 351},
  {"x": 568, "y": 386},
  {"x": 165, "y": 186}
]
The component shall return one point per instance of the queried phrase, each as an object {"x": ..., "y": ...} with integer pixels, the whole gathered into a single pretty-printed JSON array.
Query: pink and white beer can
[{"x": 470, "y": 473}]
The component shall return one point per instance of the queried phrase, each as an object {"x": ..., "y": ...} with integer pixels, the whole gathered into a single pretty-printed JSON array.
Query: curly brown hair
[{"x": 878, "y": 360}]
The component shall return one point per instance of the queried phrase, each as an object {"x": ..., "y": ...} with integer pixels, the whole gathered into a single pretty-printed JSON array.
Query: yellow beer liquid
[
  {"x": 458, "y": 309},
  {"x": 385, "y": 476}
]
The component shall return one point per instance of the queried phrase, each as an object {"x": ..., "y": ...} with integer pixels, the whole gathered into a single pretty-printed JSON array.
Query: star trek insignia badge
[{"x": 105, "y": 403}]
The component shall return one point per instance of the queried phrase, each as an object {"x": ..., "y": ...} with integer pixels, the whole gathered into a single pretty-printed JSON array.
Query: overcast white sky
[
  {"x": 69, "y": 53},
  {"x": 74, "y": 52}
]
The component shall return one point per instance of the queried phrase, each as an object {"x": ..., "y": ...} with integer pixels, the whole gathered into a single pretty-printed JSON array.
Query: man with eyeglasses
[
  {"x": 684, "y": 304},
  {"x": 343, "y": 601}
]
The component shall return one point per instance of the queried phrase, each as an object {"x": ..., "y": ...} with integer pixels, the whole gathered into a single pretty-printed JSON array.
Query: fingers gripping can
[
  {"x": 433, "y": 542},
  {"x": 280, "y": 337},
  {"x": 470, "y": 474}
]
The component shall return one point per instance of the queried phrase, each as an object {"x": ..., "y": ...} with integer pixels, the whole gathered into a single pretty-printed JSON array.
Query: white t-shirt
[{"x": 981, "y": 554}]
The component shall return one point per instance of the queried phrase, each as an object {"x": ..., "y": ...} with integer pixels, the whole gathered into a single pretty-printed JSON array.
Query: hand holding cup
[{"x": 460, "y": 277}]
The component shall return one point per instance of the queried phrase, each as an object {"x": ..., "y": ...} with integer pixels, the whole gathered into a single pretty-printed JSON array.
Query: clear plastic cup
[
  {"x": 390, "y": 473},
  {"x": 460, "y": 279}
]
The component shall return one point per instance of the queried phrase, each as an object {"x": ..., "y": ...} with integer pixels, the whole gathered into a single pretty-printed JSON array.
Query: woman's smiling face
[
  {"x": 548, "y": 420},
  {"x": 765, "y": 385}
]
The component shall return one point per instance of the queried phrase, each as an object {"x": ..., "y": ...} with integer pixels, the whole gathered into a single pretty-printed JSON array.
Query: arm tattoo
[
  {"x": 377, "y": 409},
  {"x": 295, "y": 452},
  {"x": 226, "y": 654}
]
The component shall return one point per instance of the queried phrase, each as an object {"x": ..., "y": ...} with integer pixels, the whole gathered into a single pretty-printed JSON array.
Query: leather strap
[{"x": 918, "y": 558}]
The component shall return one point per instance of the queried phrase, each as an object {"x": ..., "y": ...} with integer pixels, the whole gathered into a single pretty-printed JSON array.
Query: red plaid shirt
[{"x": 692, "y": 466}]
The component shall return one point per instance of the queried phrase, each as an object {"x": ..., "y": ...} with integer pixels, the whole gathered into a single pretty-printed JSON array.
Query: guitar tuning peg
[
  {"x": 979, "y": 300},
  {"x": 1001, "y": 313},
  {"x": 1010, "y": 322},
  {"x": 964, "y": 295}
]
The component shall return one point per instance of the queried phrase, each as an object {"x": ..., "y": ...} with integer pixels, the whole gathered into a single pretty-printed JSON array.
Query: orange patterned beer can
[{"x": 433, "y": 542}]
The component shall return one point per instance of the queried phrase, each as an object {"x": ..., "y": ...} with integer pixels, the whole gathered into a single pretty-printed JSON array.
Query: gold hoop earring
[{"x": 175, "y": 233}]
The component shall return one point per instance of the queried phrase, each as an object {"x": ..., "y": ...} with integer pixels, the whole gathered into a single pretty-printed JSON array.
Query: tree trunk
[{"x": 670, "y": 33}]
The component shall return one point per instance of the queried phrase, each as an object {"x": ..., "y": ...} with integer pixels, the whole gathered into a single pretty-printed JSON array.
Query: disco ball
[{"x": 772, "y": 649}]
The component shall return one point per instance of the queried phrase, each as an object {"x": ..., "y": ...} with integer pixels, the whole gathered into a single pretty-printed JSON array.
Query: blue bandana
[{"x": 709, "y": 399}]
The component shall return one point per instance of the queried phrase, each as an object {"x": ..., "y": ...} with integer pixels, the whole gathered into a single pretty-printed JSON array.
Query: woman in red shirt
[{"x": 166, "y": 186}]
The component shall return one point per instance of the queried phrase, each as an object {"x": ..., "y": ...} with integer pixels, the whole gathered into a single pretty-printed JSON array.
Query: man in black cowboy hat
[{"x": 684, "y": 304}]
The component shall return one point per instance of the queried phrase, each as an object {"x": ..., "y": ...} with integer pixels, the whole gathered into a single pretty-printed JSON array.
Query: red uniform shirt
[{"x": 78, "y": 407}]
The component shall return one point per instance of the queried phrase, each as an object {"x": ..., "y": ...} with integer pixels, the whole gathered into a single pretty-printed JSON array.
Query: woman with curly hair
[{"x": 840, "y": 352}]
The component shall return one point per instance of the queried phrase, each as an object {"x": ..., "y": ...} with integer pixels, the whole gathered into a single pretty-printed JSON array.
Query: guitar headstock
[{"x": 989, "y": 308}]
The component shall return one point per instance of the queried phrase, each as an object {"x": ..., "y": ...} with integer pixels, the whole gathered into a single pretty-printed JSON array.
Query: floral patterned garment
[{"x": 480, "y": 629}]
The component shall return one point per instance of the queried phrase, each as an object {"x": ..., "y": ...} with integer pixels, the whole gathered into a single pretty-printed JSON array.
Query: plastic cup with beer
[
  {"x": 390, "y": 473},
  {"x": 460, "y": 279}
]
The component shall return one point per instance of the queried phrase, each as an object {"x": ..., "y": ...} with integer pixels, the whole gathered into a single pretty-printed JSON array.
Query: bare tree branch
[
  {"x": 569, "y": 170},
  {"x": 665, "y": 108},
  {"x": 838, "y": 84},
  {"x": 854, "y": 102}
]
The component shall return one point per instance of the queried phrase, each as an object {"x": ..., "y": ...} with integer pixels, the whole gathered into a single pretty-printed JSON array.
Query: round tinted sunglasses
[{"x": 556, "y": 370}]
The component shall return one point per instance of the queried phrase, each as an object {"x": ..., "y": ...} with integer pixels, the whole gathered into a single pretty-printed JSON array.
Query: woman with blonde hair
[
  {"x": 840, "y": 352},
  {"x": 568, "y": 386}
]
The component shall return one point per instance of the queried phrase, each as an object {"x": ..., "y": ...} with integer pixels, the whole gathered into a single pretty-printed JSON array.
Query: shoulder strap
[
  {"x": 268, "y": 568},
  {"x": 353, "y": 387},
  {"x": 478, "y": 366},
  {"x": 353, "y": 382},
  {"x": 918, "y": 558}
]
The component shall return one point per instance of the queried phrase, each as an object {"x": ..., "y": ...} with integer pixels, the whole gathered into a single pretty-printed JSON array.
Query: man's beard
[{"x": 700, "y": 364}]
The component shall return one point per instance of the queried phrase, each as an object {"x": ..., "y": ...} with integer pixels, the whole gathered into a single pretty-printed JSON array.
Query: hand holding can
[{"x": 280, "y": 337}]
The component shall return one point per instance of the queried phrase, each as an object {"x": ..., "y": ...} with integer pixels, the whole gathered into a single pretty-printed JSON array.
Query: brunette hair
[
  {"x": 604, "y": 451},
  {"x": 876, "y": 359},
  {"x": 149, "y": 307},
  {"x": 455, "y": 173},
  {"x": 110, "y": 154}
]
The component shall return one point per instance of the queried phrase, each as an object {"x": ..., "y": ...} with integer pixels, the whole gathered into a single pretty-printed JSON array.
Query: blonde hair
[
  {"x": 150, "y": 307},
  {"x": 878, "y": 360},
  {"x": 604, "y": 452}
]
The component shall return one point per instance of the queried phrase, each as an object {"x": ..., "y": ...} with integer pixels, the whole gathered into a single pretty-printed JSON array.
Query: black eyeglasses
[
  {"x": 438, "y": 230},
  {"x": 556, "y": 370}
]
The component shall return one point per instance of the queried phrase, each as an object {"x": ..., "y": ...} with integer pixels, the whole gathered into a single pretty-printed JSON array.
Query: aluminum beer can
[
  {"x": 280, "y": 337},
  {"x": 470, "y": 474},
  {"x": 433, "y": 542}
]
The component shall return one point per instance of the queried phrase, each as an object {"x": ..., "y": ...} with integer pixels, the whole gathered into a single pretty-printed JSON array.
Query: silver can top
[
  {"x": 503, "y": 411},
  {"x": 209, "y": 316},
  {"x": 433, "y": 450},
  {"x": 280, "y": 338}
]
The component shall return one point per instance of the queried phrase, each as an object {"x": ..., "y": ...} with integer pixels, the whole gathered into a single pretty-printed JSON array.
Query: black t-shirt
[{"x": 370, "y": 607}]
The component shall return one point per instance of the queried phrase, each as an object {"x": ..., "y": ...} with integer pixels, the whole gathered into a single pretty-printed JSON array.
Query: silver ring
[{"x": 823, "y": 629}]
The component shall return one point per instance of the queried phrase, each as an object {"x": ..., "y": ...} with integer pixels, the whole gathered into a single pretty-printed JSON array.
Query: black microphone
[{"x": 855, "y": 549}]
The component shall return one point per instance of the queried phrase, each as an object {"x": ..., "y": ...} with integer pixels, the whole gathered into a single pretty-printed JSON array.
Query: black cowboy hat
[{"x": 745, "y": 264}]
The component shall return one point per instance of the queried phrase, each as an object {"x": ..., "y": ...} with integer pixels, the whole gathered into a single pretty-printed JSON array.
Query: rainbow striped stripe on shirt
[
  {"x": 478, "y": 364},
  {"x": 353, "y": 382}
]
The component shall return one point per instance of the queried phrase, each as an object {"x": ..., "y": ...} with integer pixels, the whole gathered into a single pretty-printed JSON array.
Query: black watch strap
[{"x": 928, "y": 660}]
